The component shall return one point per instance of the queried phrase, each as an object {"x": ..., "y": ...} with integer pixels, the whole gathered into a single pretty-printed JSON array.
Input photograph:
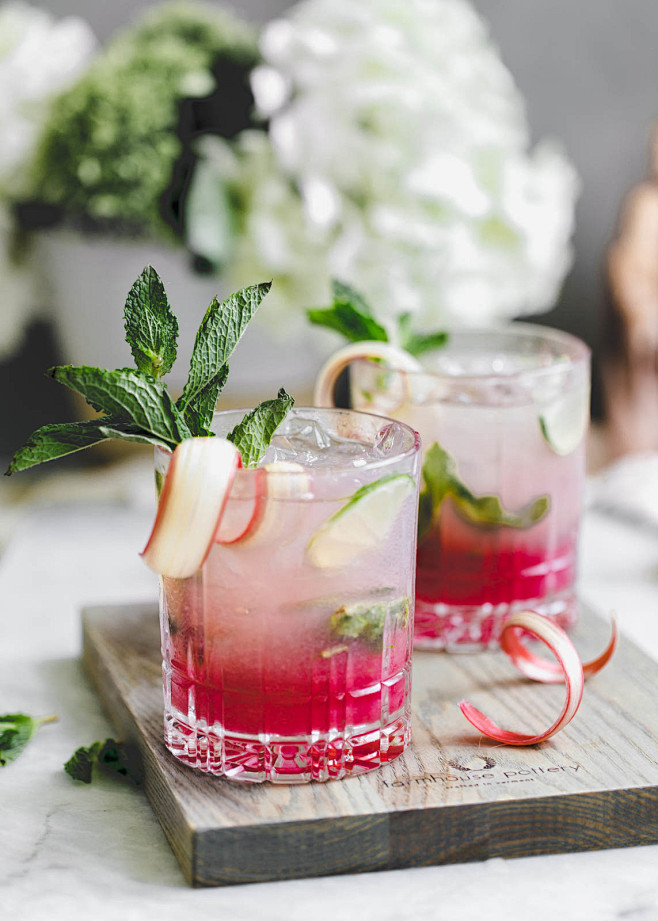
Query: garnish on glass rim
[
  {"x": 137, "y": 406},
  {"x": 351, "y": 316},
  {"x": 568, "y": 669}
]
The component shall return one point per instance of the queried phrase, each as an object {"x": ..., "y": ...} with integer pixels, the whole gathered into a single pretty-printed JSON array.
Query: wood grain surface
[{"x": 453, "y": 796}]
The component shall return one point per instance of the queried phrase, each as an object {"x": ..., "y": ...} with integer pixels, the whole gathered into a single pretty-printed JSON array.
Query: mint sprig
[
  {"x": 252, "y": 436},
  {"x": 418, "y": 343},
  {"x": 442, "y": 481},
  {"x": 56, "y": 440},
  {"x": 351, "y": 316},
  {"x": 109, "y": 757},
  {"x": 136, "y": 405},
  {"x": 127, "y": 395},
  {"x": 220, "y": 331},
  {"x": 151, "y": 327},
  {"x": 16, "y": 730}
]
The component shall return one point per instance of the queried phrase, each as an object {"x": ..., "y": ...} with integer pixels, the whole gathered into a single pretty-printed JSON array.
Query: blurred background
[{"x": 466, "y": 163}]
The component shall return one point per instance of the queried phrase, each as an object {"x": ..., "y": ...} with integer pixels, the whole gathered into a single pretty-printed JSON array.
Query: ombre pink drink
[{"x": 287, "y": 656}]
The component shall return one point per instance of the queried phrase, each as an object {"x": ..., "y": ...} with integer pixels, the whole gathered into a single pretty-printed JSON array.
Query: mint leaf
[
  {"x": 367, "y": 621},
  {"x": 128, "y": 395},
  {"x": 442, "y": 481},
  {"x": 418, "y": 343},
  {"x": 341, "y": 291},
  {"x": 80, "y": 765},
  {"x": 219, "y": 333},
  {"x": 16, "y": 730},
  {"x": 344, "y": 318},
  {"x": 52, "y": 441},
  {"x": 349, "y": 315},
  {"x": 110, "y": 757},
  {"x": 56, "y": 440},
  {"x": 199, "y": 414},
  {"x": 253, "y": 435},
  {"x": 151, "y": 327}
]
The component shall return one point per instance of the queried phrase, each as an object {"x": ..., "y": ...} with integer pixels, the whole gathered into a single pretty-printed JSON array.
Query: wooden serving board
[{"x": 453, "y": 796}]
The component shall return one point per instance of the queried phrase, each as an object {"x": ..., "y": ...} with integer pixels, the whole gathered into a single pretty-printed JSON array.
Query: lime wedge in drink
[
  {"x": 362, "y": 523},
  {"x": 564, "y": 421}
]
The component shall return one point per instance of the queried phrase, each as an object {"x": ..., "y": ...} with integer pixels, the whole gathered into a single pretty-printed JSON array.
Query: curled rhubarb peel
[
  {"x": 546, "y": 670},
  {"x": 395, "y": 357},
  {"x": 572, "y": 674},
  {"x": 199, "y": 478}
]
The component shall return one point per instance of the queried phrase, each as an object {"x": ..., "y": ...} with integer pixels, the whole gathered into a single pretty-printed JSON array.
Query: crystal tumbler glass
[
  {"x": 503, "y": 417},
  {"x": 286, "y": 657}
]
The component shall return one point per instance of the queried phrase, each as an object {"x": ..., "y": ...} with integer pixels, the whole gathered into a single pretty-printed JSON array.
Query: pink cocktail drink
[
  {"x": 287, "y": 655},
  {"x": 503, "y": 417}
]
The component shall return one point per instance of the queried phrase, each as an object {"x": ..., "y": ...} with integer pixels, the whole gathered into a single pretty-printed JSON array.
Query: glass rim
[
  {"x": 579, "y": 353},
  {"x": 337, "y": 471}
]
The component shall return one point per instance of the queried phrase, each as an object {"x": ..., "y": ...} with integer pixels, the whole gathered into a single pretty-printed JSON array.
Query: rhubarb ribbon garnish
[{"x": 568, "y": 669}]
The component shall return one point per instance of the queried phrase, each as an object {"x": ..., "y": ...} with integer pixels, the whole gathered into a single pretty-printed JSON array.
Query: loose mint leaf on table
[
  {"x": 16, "y": 730},
  {"x": 80, "y": 765},
  {"x": 151, "y": 327},
  {"x": 441, "y": 481},
  {"x": 252, "y": 436},
  {"x": 219, "y": 333},
  {"x": 128, "y": 395},
  {"x": 110, "y": 757}
]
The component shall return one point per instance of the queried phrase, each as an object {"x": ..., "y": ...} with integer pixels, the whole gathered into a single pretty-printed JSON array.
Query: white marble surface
[{"x": 68, "y": 850}]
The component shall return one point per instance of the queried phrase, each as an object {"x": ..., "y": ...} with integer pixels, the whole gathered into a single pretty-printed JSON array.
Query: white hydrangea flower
[
  {"x": 401, "y": 164},
  {"x": 39, "y": 57}
]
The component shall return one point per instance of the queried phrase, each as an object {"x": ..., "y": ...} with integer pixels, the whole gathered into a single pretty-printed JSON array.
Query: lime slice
[
  {"x": 564, "y": 422},
  {"x": 200, "y": 475},
  {"x": 362, "y": 523}
]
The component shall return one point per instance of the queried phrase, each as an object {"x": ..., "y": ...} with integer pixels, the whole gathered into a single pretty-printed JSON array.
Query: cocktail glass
[
  {"x": 503, "y": 415},
  {"x": 286, "y": 657}
]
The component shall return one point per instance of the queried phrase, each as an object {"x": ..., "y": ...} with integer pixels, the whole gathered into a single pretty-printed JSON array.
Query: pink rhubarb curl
[{"x": 568, "y": 669}]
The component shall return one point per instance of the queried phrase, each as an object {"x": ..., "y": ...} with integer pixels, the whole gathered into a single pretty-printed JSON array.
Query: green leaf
[
  {"x": 80, "y": 765},
  {"x": 349, "y": 315},
  {"x": 151, "y": 327},
  {"x": 111, "y": 757},
  {"x": 345, "y": 293},
  {"x": 199, "y": 414},
  {"x": 253, "y": 435},
  {"x": 344, "y": 318},
  {"x": 218, "y": 335},
  {"x": 16, "y": 730},
  {"x": 130, "y": 396},
  {"x": 367, "y": 621},
  {"x": 418, "y": 343},
  {"x": 442, "y": 481},
  {"x": 56, "y": 440}
]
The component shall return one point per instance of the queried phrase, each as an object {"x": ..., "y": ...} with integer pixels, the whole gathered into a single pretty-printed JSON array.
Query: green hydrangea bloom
[{"x": 110, "y": 149}]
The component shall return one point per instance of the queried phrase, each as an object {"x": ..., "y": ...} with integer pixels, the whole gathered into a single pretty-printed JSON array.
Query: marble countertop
[{"x": 70, "y": 850}]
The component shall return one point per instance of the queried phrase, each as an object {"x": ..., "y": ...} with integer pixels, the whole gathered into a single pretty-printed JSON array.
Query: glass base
[
  {"x": 298, "y": 759},
  {"x": 474, "y": 628}
]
